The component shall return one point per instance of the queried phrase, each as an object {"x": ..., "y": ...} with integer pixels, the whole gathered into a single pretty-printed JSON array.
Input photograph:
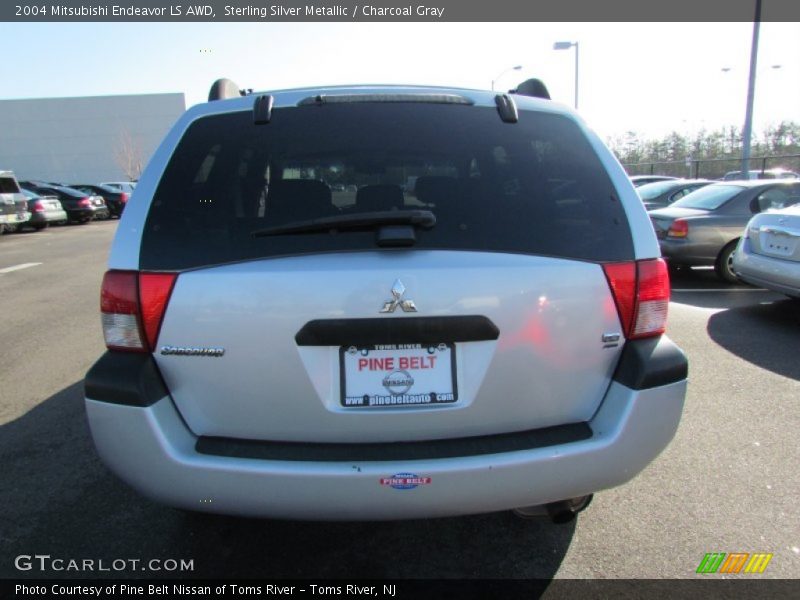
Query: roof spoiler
[
  {"x": 534, "y": 88},
  {"x": 223, "y": 89}
]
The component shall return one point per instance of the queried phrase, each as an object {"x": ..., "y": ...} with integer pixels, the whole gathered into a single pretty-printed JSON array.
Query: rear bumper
[
  {"x": 78, "y": 214},
  {"x": 50, "y": 216},
  {"x": 776, "y": 274},
  {"x": 687, "y": 252},
  {"x": 15, "y": 218},
  {"x": 142, "y": 438}
]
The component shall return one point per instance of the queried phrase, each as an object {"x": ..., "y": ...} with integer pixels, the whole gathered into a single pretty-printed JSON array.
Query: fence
[{"x": 712, "y": 168}]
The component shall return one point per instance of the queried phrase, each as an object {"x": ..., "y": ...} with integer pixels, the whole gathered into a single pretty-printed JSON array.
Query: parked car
[
  {"x": 768, "y": 254},
  {"x": 273, "y": 354},
  {"x": 663, "y": 193},
  {"x": 123, "y": 186},
  {"x": 757, "y": 174},
  {"x": 704, "y": 227},
  {"x": 638, "y": 180},
  {"x": 80, "y": 206},
  {"x": 44, "y": 210},
  {"x": 13, "y": 204},
  {"x": 114, "y": 197}
]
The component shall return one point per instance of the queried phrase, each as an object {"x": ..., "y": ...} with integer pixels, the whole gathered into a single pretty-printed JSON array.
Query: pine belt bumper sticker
[{"x": 405, "y": 481}]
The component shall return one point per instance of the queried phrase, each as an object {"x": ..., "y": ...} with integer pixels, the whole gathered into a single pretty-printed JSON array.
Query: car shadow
[
  {"x": 761, "y": 334},
  {"x": 60, "y": 500},
  {"x": 701, "y": 288}
]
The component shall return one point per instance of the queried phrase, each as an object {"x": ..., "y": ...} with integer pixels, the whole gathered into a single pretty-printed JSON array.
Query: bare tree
[{"x": 128, "y": 155}]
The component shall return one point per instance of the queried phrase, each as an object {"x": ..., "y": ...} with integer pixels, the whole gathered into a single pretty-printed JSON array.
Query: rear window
[
  {"x": 8, "y": 186},
  {"x": 709, "y": 198},
  {"x": 534, "y": 187},
  {"x": 648, "y": 191}
]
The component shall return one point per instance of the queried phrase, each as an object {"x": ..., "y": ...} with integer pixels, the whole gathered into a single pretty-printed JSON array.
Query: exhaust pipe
[
  {"x": 559, "y": 512},
  {"x": 564, "y": 511}
]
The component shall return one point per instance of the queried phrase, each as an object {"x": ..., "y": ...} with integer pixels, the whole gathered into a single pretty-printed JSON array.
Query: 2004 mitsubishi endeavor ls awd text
[{"x": 383, "y": 303}]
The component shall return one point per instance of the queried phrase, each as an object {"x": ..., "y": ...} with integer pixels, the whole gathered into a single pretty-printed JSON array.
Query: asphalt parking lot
[{"x": 728, "y": 482}]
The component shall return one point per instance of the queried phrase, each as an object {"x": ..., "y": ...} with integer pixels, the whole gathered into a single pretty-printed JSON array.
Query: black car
[
  {"x": 80, "y": 206},
  {"x": 115, "y": 198},
  {"x": 659, "y": 194}
]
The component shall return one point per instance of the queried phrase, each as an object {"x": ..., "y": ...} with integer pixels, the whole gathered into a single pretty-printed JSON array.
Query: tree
[{"x": 128, "y": 155}]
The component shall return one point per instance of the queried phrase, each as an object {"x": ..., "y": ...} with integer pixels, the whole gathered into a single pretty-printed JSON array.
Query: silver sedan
[{"x": 768, "y": 254}]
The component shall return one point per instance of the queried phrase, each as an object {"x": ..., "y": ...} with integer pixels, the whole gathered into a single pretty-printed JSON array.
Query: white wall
[{"x": 82, "y": 140}]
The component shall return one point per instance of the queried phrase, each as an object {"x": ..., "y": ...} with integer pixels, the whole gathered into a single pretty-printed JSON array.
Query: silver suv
[{"x": 383, "y": 303}]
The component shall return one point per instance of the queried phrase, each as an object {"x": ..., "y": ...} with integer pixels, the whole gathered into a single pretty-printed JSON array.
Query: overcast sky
[{"x": 647, "y": 77}]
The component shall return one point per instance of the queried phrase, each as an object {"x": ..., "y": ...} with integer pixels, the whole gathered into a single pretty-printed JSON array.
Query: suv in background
[
  {"x": 295, "y": 331},
  {"x": 13, "y": 203}
]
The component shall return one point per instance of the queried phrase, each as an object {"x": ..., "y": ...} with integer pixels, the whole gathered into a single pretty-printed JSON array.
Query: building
[{"x": 89, "y": 140}]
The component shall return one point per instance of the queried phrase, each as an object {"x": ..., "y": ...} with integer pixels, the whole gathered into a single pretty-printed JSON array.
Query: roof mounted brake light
[{"x": 433, "y": 98}]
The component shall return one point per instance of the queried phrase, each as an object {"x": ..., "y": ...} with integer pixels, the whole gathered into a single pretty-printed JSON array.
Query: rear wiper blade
[{"x": 362, "y": 220}]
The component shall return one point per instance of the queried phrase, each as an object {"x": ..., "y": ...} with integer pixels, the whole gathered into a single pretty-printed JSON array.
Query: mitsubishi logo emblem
[{"x": 398, "y": 289}]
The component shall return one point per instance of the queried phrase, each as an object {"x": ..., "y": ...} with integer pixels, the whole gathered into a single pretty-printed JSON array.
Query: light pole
[
  {"x": 751, "y": 91},
  {"x": 496, "y": 79},
  {"x": 567, "y": 46}
]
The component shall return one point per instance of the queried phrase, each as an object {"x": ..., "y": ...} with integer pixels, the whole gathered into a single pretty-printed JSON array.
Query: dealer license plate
[
  {"x": 777, "y": 244},
  {"x": 396, "y": 375}
]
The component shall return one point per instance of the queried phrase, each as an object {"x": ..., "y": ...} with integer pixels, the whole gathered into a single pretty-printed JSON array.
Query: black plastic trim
[
  {"x": 128, "y": 378},
  {"x": 650, "y": 363},
  {"x": 394, "y": 451},
  {"x": 262, "y": 110},
  {"x": 506, "y": 108},
  {"x": 393, "y": 329}
]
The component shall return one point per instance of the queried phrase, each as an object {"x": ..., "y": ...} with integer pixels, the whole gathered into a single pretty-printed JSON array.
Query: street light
[
  {"x": 567, "y": 46},
  {"x": 517, "y": 68},
  {"x": 751, "y": 92}
]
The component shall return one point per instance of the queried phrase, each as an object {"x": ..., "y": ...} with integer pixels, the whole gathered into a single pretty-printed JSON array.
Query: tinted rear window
[
  {"x": 534, "y": 187},
  {"x": 8, "y": 186}
]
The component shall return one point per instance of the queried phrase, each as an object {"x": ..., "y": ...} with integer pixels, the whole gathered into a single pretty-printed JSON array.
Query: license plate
[
  {"x": 777, "y": 245},
  {"x": 396, "y": 375}
]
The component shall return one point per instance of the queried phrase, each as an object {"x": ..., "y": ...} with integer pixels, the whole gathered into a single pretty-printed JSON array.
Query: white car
[
  {"x": 294, "y": 332},
  {"x": 768, "y": 254}
]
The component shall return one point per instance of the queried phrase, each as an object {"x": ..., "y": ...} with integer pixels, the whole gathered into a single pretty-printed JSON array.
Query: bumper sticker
[{"x": 405, "y": 481}]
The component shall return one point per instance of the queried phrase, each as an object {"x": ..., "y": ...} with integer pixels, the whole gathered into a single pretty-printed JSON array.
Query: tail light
[
  {"x": 123, "y": 197},
  {"x": 132, "y": 306},
  {"x": 678, "y": 229},
  {"x": 641, "y": 293},
  {"x": 84, "y": 202},
  {"x": 38, "y": 206}
]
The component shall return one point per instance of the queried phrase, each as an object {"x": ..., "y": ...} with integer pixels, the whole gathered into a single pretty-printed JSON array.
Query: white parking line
[
  {"x": 725, "y": 290},
  {"x": 18, "y": 267}
]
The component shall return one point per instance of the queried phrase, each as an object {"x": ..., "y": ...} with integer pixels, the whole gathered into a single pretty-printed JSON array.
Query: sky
[{"x": 651, "y": 78}]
